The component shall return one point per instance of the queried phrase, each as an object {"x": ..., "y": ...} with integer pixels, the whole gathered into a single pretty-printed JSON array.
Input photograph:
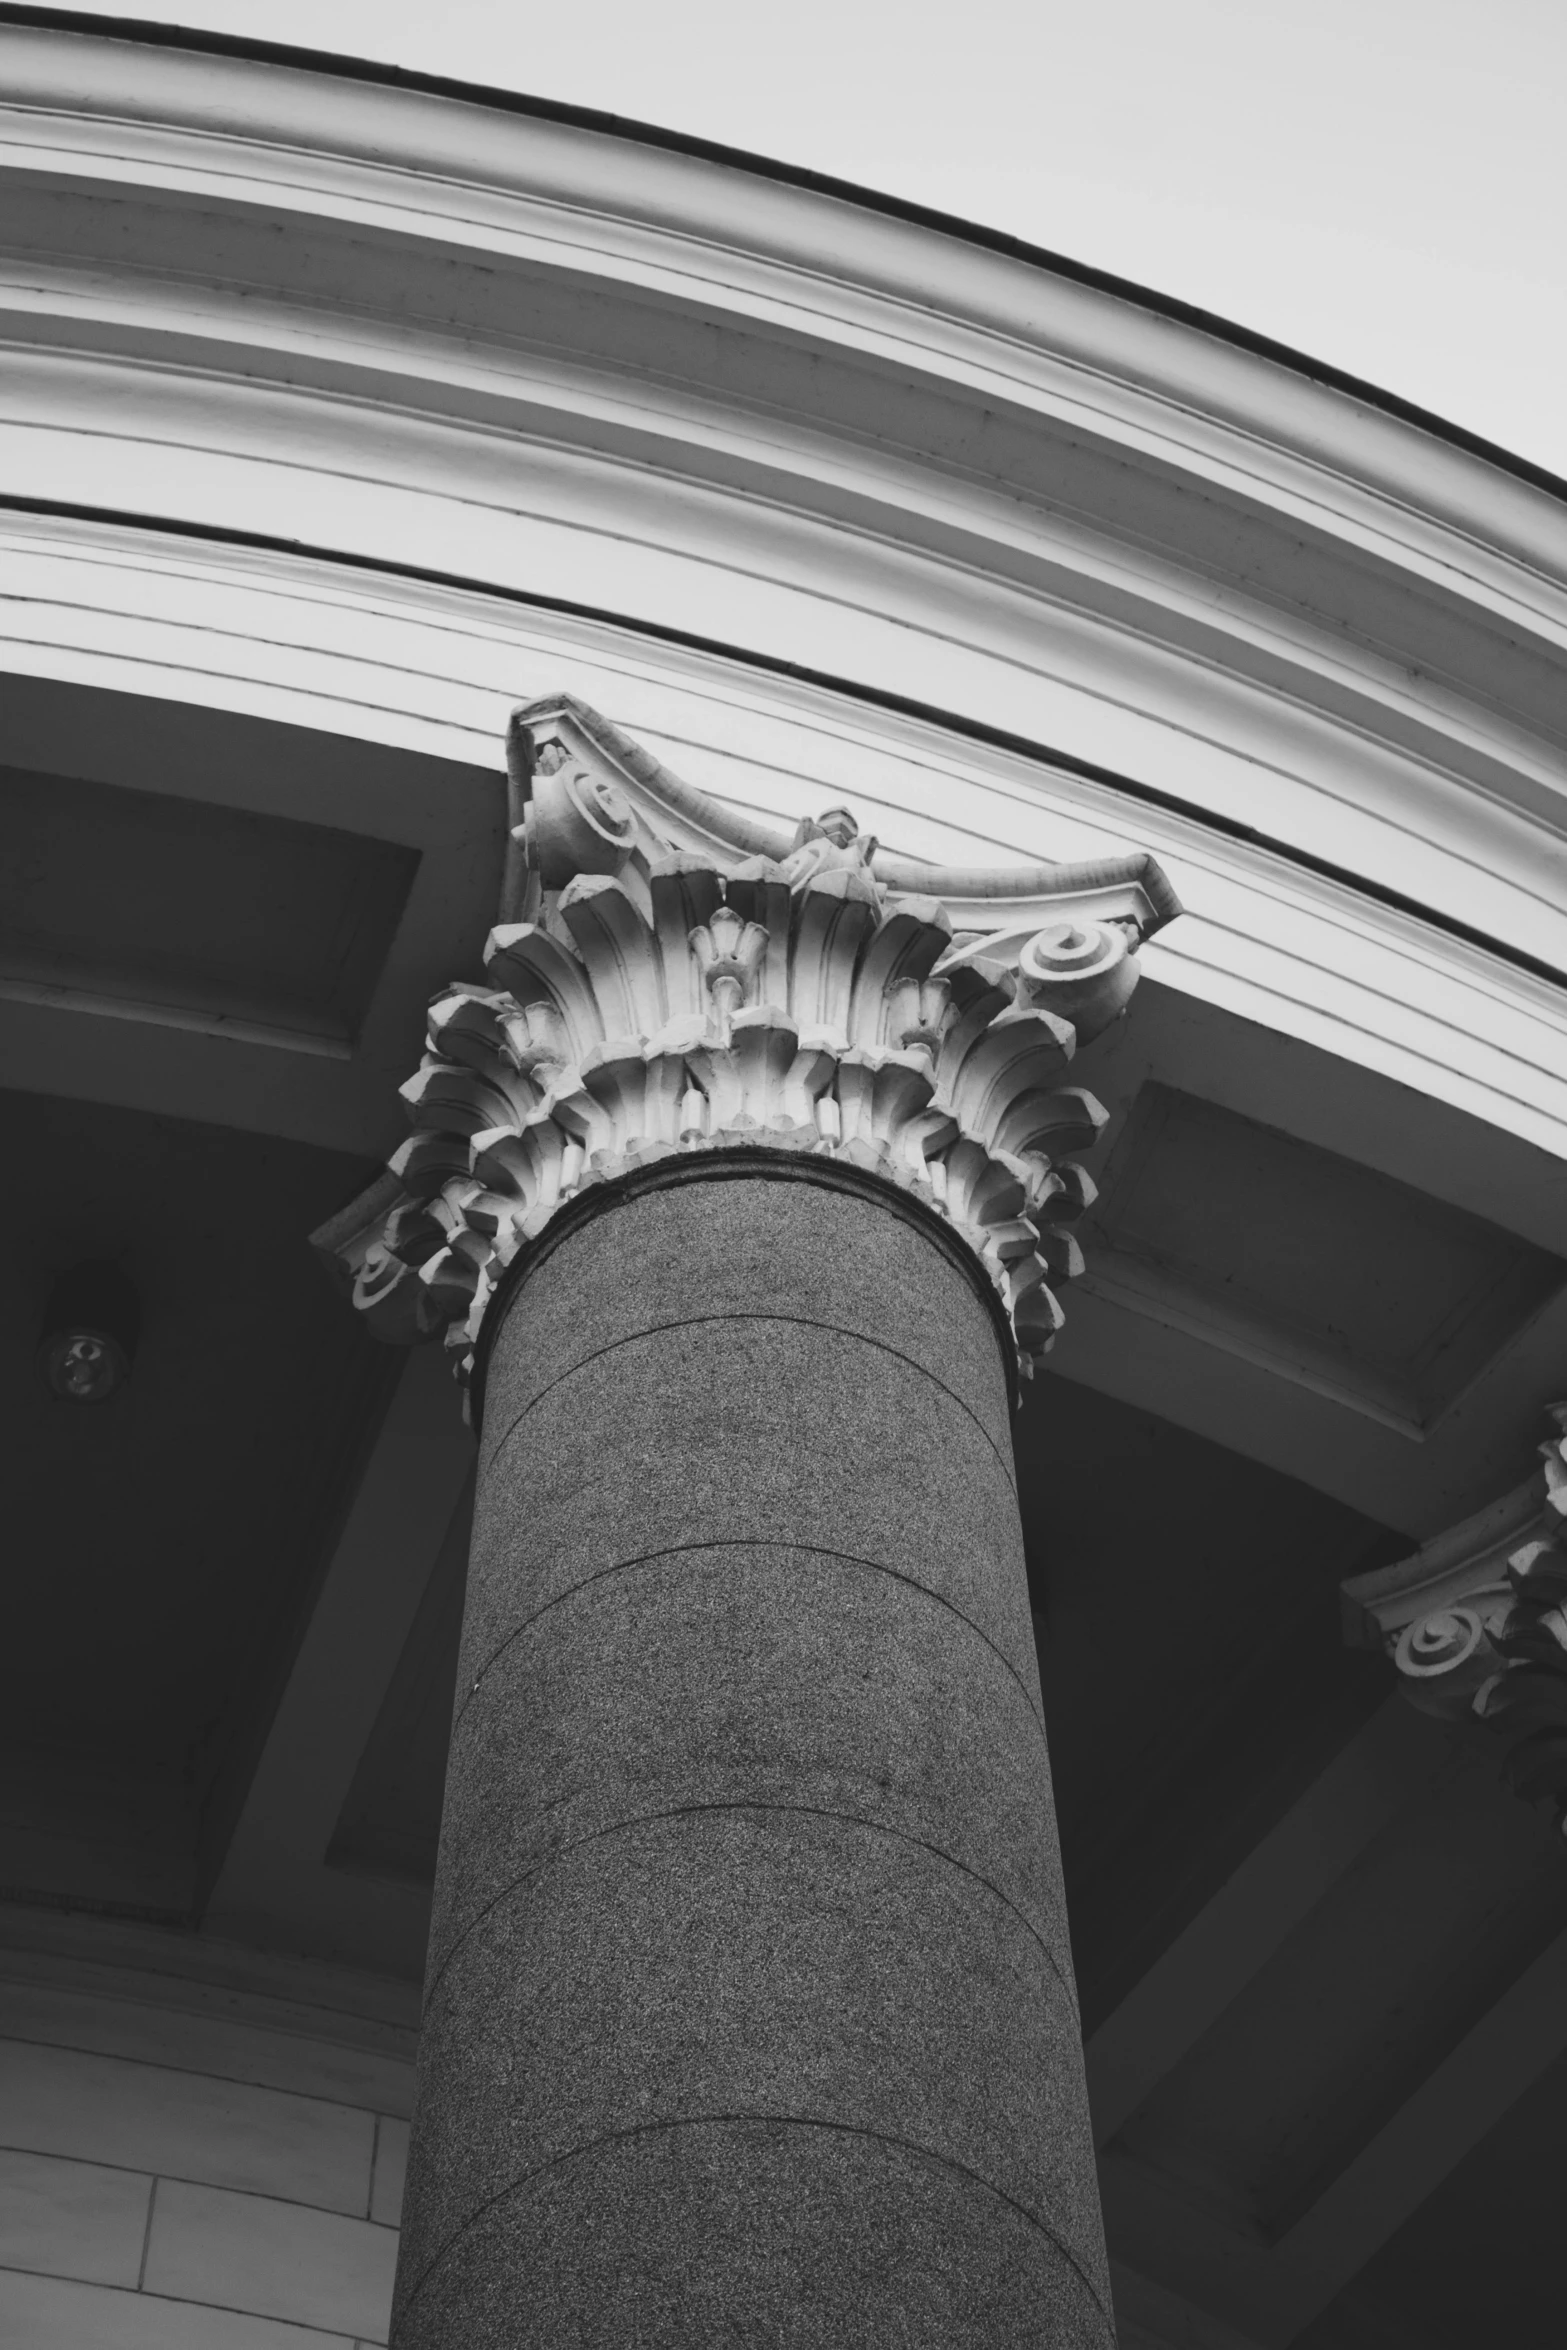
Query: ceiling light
[{"x": 89, "y": 1334}]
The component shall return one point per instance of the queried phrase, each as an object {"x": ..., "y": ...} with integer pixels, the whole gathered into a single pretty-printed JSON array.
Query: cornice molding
[
  {"x": 673, "y": 977},
  {"x": 375, "y": 73},
  {"x": 1475, "y": 1622},
  {"x": 455, "y": 168}
]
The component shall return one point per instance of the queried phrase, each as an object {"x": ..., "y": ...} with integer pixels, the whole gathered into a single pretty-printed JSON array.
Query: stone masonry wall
[{"x": 180, "y": 2181}]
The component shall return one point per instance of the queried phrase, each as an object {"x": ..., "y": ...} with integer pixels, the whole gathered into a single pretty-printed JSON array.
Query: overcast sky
[{"x": 1378, "y": 182}]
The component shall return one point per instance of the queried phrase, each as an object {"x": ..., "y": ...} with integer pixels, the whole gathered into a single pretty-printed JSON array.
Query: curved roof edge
[{"x": 240, "y": 46}]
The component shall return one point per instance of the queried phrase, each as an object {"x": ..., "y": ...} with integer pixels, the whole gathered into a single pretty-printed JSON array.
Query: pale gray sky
[{"x": 1378, "y": 182}]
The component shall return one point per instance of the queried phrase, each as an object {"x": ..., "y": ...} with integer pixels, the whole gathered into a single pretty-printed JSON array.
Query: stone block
[
  {"x": 310, "y": 2268},
  {"x": 768, "y": 1964},
  {"x": 844, "y": 1449},
  {"x": 874, "y": 1276},
  {"x": 72, "y": 2219},
  {"x": 805, "y": 2236},
  {"x": 739, "y": 1676},
  {"x": 162, "y": 2032},
  {"x": 184, "y": 2126},
  {"x": 47, "y": 2313}
]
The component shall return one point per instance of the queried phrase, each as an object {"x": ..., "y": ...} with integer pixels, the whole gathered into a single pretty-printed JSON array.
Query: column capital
[
  {"x": 671, "y": 976},
  {"x": 1475, "y": 1622}
]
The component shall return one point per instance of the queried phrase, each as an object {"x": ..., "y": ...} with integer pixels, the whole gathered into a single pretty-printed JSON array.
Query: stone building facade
[{"x": 782, "y": 1002}]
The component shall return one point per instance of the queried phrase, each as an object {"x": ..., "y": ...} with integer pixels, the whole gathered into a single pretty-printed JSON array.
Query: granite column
[
  {"x": 740, "y": 1189},
  {"x": 749, "y": 2014}
]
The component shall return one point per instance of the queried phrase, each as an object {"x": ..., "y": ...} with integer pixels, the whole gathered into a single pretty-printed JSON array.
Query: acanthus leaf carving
[
  {"x": 1475, "y": 1623},
  {"x": 672, "y": 977}
]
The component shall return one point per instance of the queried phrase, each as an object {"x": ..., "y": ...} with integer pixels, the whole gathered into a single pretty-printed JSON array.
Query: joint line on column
[
  {"x": 680, "y": 1811},
  {"x": 652, "y": 1558},
  {"x": 798, "y": 1321},
  {"x": 798, "y": 2121}
]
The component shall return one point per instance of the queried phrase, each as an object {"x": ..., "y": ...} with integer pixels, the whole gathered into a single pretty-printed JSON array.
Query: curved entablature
[
  {"x": 562, "y": 360},
  {"x": 408, "y": 400},
  {"x": 671, "y": 977}
]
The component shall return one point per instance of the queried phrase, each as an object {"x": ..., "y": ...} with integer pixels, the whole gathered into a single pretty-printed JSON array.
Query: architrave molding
[{"x": 396, "y": 662}]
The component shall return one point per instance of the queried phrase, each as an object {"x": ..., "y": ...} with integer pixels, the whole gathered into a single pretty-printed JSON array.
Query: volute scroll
[{"x": 1475, "y": 1623}]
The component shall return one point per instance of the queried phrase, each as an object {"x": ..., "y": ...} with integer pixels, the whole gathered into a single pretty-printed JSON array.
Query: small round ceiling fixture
[{"x": 88, "y": 1342}]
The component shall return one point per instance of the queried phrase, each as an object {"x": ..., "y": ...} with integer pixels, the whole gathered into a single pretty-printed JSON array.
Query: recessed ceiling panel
[
  {"x": 1310, "y": 1265},
  {"x": 161, "y": 1546},
  {"x": 177, "y": 905},
  {"x": 1194, "y": 1675},
  {"x": 1410, "y": 1948}
]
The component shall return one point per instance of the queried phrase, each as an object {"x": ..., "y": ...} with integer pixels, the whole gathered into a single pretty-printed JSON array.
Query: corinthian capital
[
  {"x": 1475, "y": 1622},
  {"x": 674, "y": 978}
]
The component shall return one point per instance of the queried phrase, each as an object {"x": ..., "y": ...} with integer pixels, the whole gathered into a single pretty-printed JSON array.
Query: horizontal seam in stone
[
  {"x": 16, "y": 2029},
  {"x": 295, "y": 2325},
  {"x": 808, "y": 1811},
  {"x": 797, "y": 1321},
  {"x": 793, "y": 2121},
  {"x": 653, "y": 1558},
  {"x": 180, "y": 2178}
]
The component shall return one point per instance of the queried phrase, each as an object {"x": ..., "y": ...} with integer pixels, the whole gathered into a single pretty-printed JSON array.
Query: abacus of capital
[{"x": 740, "y": 1190}]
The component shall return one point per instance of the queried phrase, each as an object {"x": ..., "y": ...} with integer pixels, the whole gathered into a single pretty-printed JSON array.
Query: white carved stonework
[
  {"x": 1475, "y": 1622},
  {"x": 674, "y": 977}
]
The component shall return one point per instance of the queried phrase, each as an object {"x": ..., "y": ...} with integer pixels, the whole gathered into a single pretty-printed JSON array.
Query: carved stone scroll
[
  {"x": 1475, "y": 1622},
  {"x": 674, "y": 977}
]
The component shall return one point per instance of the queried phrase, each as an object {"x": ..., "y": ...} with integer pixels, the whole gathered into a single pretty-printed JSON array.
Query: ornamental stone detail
[
  {"x": 1475, "y": 1623},
  {"x": 673, "y": 978}
]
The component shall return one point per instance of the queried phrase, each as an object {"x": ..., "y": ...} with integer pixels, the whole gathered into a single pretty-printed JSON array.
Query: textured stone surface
[
  {"x": 806, "y": 2235},
  {"x": 54, "y": 2313},
  {"x": 749, "y": 2012},
  {"x": 746, "y": 1671},
  {"x": 762, "y": 1250},
  {"x": 149, "y": 2117},
  {"x": 251, "y": 2252},
  {"x": 72, "y": 2219}
]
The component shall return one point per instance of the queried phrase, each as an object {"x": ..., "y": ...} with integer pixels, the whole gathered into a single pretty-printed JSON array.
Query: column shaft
[{"x": 749, "y": 2013}]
